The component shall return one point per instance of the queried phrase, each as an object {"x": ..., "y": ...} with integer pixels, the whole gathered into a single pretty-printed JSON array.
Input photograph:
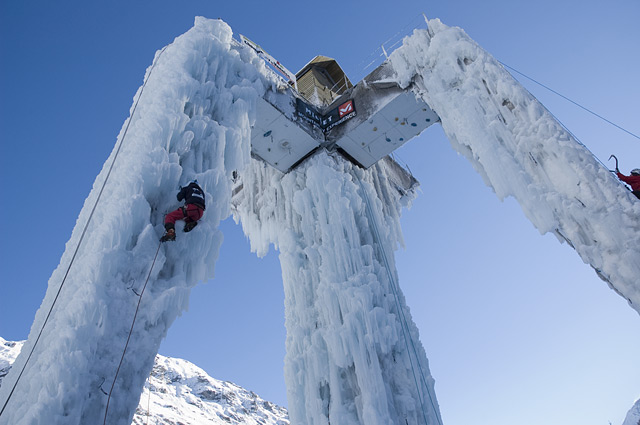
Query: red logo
[{"x": 345, "y": 108}]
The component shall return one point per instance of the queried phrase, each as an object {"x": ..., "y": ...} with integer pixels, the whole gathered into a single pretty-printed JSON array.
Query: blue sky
[{"x": 516, "y": 327}]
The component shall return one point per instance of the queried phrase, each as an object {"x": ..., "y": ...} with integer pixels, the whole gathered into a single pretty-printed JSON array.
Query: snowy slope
[
  {"x": 178, "y": 391},
  {"x": 520, "y": 150},
  {"x": 9, "y": 350}
]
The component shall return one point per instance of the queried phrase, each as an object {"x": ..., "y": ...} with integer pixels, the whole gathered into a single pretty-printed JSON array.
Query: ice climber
[
  {"x": 633, "y": 180},
  {"x": 191, "y": 212}
]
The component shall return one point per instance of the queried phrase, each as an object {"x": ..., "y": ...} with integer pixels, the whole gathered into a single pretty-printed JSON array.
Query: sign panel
[
  {"x": 308, "y": 112},
  {"x": 337, "y": 116},
  {"x": 345, "y": 108},
  {"x": 329, "y": 120}
]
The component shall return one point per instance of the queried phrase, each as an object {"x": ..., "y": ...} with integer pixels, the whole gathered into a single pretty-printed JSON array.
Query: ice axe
[{"x": 616, "y": 158}]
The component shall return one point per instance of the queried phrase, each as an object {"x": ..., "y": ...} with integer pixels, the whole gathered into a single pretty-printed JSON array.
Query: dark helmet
[{"x": 635, "y": 172}]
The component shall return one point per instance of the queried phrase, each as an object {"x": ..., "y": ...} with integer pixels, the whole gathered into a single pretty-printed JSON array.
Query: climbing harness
[
  {"x": 84, "y": 231},
  {"x": 403, "y": 320},
  {"x": 133, "y": 322}
]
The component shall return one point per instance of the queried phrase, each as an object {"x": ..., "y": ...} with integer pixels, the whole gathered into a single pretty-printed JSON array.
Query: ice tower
[{"x": 302, "y": 163}]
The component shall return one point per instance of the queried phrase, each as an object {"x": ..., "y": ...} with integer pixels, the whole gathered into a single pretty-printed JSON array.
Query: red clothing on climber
[
  {"x": 633, "y": 180},
  {"x": 191, "y": 212}
]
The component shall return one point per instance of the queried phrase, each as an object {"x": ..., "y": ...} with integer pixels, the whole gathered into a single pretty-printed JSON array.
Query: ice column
[
  {"x": 353, "y": 353},
  {"x": 192, "y": 120},
  {"x": 521, "y": 150}
]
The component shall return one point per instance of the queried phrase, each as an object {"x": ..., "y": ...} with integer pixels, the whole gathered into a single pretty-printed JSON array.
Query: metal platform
[
  {"x": 366, "y": 123},
  {"x": 278, "y": 140}
]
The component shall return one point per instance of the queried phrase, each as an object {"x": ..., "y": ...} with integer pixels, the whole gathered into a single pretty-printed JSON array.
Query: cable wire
[
  {"x": 403, "y": 320},
  {"x": 575, "y": 103},
  {"x": 126, "y": 345},
  {"x": 560, "y": 122}
]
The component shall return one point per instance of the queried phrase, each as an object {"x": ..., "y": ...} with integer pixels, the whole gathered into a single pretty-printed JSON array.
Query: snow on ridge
[
  {"x": 520, "y": 150},
  {"x": 9, "y": 350},
  {"x": 178, "y": 391}
]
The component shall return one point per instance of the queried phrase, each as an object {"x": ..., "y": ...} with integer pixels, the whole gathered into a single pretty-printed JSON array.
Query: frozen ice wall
[
  {"x": 633, "y": 415},
  {"x": 353, "y": 353},
  {"x": 522, "y": 151},
  {"x": 191, "y": 119}
]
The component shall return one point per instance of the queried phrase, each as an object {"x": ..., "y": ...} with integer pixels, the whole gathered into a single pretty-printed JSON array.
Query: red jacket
[{"x": 633, "y": 181}]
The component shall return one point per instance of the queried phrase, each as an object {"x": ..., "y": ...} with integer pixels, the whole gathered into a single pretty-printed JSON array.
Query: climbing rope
[
  {"x": 403, "y": 320},
  {"x": 412, "y": 26},
  {"x": 133, "y": 322},
  {"x": 562, "y": 124},
  {"x": 575, "y": 103},
  {"x": 84, "y": 231},
  {"x": 573, "y": 135}
]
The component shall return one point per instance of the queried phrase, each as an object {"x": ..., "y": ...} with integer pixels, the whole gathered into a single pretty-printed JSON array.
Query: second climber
[{"x": 632, "y": 180}]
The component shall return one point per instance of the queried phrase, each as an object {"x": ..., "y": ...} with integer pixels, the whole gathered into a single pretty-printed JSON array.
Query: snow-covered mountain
[
  {"x": 9, "y": 350},
  {"x": 179, "y": 392}
]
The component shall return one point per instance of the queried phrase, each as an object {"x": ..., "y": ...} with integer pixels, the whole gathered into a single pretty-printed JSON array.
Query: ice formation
[
  {"x": 633, "y": 415},
  {"x": 191, "y": 119},
  {"x": 353, "y": 353},
  {"x": 520, "y": 150}
]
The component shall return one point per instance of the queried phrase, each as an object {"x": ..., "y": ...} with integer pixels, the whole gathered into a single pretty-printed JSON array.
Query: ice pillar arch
[
  {"x": 191, "y": 119},
  {"x": 353, "y": 353}
]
